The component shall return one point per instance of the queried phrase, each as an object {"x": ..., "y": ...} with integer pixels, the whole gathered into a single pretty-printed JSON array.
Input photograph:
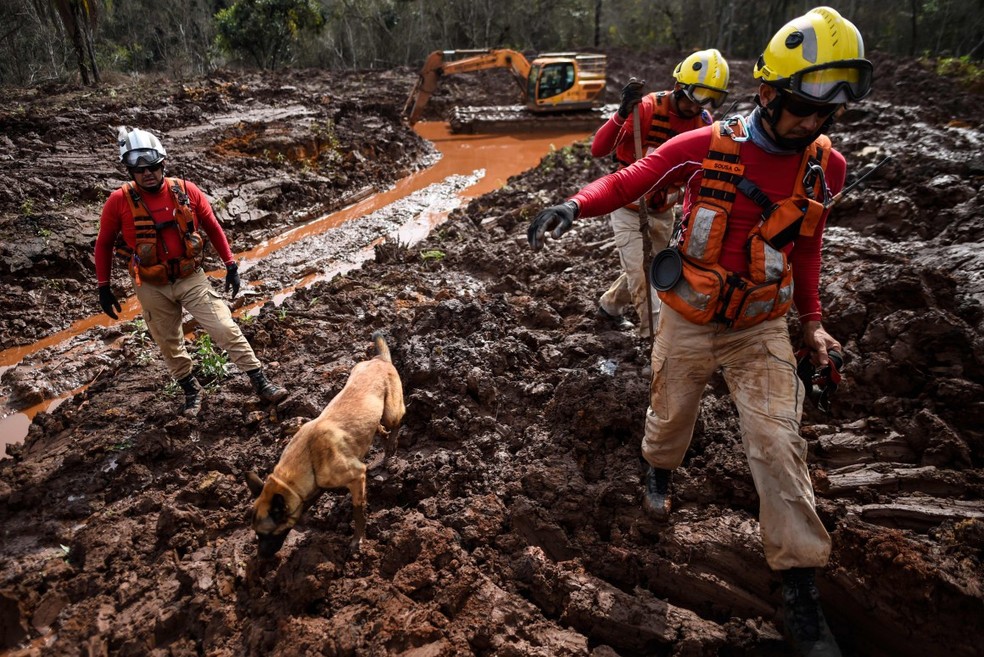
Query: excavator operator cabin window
[{"x": 555, "y": 79}]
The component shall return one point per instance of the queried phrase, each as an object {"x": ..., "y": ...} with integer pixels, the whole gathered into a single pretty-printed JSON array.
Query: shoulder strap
[
  {"x": 722, "y": 169},
  {"x": 658, "y": 123}
]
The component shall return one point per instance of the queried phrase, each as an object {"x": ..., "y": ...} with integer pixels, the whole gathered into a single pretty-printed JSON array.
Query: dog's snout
[{"x": 269, "y": 544}]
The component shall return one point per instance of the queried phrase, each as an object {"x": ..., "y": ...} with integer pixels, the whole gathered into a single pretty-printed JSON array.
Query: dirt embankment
[{"x": 510, "y": 521}]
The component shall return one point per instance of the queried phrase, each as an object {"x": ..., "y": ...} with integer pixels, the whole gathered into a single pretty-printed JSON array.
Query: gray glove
[{"x": 557, "y": 219}]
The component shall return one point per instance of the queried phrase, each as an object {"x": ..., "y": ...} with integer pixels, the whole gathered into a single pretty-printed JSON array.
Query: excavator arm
[{"x": 451, "y": 62}]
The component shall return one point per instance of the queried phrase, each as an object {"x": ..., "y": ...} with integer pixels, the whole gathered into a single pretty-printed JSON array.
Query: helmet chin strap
[{"x": 773, "y": 111}]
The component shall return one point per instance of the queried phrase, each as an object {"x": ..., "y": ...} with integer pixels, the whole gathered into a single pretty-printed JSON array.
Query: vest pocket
[
  {"x": 697, "y": 294},
  {"x": 758, "y": 303},
  {"x": 704, "y": 233},
  {"x": 766, "y": 264}
]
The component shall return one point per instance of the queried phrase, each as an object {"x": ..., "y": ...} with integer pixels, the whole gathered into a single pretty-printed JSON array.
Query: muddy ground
[{"x": 509, "y": 522}]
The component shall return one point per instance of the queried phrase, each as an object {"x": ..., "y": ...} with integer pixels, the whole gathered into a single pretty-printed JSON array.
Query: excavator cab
[
  {"x": 565, "y": 81},
  {"x": 550, "y": 80}
]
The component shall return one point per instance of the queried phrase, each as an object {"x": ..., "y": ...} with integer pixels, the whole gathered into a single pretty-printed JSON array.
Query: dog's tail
[{"x": 382, "y": 349}]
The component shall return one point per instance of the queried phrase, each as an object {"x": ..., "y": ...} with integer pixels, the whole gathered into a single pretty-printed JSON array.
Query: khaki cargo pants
[
  {"x": 162, "y": 310},
  {"x": 629, "y": 289},
  {"x": 760, "y": 370}
]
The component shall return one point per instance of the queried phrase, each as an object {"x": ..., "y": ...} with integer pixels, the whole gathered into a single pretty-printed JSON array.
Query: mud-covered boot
[
  {"x": 802, "y": 616},
  {"x": 619, "y": 322},
  {"x": 267, "y": 391},
  {"x": 193, "y": 395},
  {"x": 656, "y": 493}
]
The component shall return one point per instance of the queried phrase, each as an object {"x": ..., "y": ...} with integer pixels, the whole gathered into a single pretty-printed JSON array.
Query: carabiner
[
  {"x": 726, "y": 128},
  {"x": 813, "y": 173}
]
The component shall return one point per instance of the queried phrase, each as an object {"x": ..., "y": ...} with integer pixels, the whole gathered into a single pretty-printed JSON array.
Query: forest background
[{"x": 59, "y": 41}]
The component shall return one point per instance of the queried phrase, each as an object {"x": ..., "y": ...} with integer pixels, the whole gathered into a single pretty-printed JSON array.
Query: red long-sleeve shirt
[
  {"x": 117, "y": 217},
  {"x": 678, "y": 161}
]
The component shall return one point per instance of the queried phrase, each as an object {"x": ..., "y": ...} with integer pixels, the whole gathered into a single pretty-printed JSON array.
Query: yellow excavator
[{"x": 562, "y": 85}]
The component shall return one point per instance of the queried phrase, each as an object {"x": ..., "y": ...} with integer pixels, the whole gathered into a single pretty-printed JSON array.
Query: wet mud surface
[{"x": 509, "y": 522}]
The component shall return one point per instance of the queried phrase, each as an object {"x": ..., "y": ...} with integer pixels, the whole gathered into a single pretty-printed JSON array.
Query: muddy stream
[{"x": 469, "y": 166}]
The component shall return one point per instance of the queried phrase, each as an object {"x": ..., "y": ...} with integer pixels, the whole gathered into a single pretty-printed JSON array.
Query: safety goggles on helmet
[
  {"x": 704, "y": 95},
  {"x": 833, "y": 82},
  {"x": 142, "y": 157}
]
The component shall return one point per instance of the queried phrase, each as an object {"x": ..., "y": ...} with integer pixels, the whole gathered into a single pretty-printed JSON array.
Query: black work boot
[
  {"x": 656, "y": 493},
  {"x": 193, "y": 395},
  {"x": 619, "y": 322},
  {"x": 267, "y": 391},
  {"x": 803, "y": 617}
]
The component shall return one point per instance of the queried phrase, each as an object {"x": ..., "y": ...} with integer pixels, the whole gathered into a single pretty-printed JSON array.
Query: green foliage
[
  {"x": 27, "y": 207},
  {"x": 265, "y": 31},
  {"x": 966, "y": 71},
  {"x": 213, "y": 364},
  {"x": 144, "y": 344},
  {"x": 433, "y": 255}
]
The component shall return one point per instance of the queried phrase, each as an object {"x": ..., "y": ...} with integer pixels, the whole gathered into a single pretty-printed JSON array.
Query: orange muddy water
[{"x": 492, "y": 158}]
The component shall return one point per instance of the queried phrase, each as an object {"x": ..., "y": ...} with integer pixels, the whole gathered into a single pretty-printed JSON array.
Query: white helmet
[{"x": 139, "y": 148}]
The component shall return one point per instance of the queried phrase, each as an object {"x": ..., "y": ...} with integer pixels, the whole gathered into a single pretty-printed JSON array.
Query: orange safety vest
[
  {"x": 142, "y": 261},
  {"x": 654, "y": 120},
  {"x": 706, "y": 291}
]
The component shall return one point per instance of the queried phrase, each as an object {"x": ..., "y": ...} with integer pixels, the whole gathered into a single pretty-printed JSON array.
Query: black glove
[
  {"x": 108, "y": 301},
  {"x": 556, "y": 218},
  {"x": 232, "y": 279},
  {"x": 631, "y": 96}
]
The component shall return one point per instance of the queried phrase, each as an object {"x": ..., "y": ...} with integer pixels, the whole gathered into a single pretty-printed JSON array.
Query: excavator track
[{"x": 516, "y": 118}]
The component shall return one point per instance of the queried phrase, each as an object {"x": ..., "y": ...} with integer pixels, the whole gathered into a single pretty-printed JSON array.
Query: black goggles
[
  {"x": 705, "y": 95},
  {"x": 153, "y": 168},
  {"x": 801, "y": 108},
  {"x": 840, "y": 82}
]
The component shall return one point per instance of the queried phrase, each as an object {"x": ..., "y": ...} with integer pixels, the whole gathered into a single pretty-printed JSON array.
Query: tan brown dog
[{"x": 327, "y": 452}]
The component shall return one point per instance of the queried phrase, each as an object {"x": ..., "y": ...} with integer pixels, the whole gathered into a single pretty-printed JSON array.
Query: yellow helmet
[
  {"x": 704, "y": 77},
  {"x": 819, "y": 56}
]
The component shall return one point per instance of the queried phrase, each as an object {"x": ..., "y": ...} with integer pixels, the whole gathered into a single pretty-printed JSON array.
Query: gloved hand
[
  {"x": 557, "y": 219},
  {"x": 232, "y": 279},
  {"x": 108, "y": 301},
  {"x": 631, "y": 96}
]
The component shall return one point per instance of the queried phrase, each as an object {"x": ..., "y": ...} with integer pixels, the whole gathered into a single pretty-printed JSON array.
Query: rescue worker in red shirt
[
  {"x": 161, "y": 221},
  {"x": 758, "y": 191},
  {"x": 701, "y": 80}
]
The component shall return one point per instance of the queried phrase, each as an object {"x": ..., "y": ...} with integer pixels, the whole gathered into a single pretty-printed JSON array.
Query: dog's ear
[
  {"x": 278, "y": 509},
  {"x": 255, "y": 483}
]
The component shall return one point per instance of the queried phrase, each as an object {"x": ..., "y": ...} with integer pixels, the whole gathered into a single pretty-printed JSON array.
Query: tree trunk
[
  {"x": 90, "y": 48},
  {"x": 597, "y": 25},
  {"x": 915, "y": 12}
]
